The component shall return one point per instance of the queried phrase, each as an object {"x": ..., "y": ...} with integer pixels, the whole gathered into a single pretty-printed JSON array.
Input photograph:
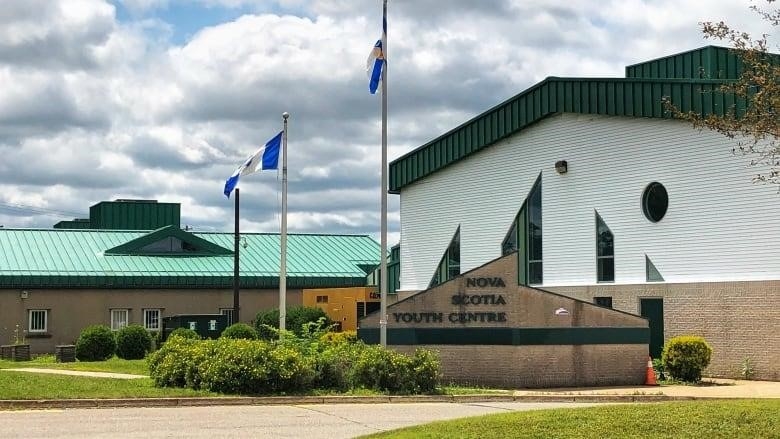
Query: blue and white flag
[
  {"x": 376, "y": 61},
  {"x": 267, "y": 157}
]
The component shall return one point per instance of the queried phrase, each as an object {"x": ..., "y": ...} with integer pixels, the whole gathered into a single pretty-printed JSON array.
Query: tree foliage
[{"x": 758, "y": 129}]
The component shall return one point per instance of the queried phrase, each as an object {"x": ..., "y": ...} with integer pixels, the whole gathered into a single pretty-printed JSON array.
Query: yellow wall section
[{"x": 341, "y": 305}]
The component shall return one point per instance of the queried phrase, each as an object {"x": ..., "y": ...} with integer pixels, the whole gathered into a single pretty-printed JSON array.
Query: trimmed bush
[
  {"x": 133, "y": 342},
  {"x": 240, "y": 331},
  {"x": 685, "y": 357},
  {"x": 95, "y": 343},
  {"x": 186, "y": 333},
  {"x": 299, "y": 320}
]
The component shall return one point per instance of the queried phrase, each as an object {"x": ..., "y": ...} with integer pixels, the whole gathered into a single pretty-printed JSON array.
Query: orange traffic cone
[{"x": 650, "y": 378}]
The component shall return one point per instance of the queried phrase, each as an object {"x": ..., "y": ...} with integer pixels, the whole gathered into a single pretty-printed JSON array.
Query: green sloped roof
[
  {"x": 77, "y": 258},
  {"x": 636, "y": 96}
]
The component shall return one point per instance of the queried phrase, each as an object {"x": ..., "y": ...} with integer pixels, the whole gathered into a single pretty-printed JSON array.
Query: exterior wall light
[
  {"x": 561, "y": 167},
  {"x": 561, "y": 312},
  {"x": 24, "y": 294}
]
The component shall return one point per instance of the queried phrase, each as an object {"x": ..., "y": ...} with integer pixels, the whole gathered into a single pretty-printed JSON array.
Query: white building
[{"x": 606, "y": 198}]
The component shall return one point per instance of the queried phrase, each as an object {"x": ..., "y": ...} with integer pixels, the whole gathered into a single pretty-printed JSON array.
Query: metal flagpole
[
  {"x": 283, "y": 262},
  {"x": 236, "y": 239},
  {"x": 383, "y": 230}
]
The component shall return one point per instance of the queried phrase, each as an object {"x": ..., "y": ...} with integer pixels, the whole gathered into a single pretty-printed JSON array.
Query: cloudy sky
[{"x": 162, "y": 99}]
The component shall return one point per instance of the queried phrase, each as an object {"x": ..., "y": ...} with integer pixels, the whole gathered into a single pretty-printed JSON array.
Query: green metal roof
[
  {"x": 637, "y": 96},
  {"x": 49, "y": 258},
  {"x": 134, "y": 215},
  {"x": 709, "y": 62}
]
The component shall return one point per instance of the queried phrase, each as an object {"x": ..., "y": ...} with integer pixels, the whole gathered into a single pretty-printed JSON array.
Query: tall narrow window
[
  {"x": 449, "y": 267},
  {"x": 605, "y": 252},
  {"x": 152, "y": 319},
  {"x": 535, "y": 233},
  {"x": 525, "y": 237},
  {"x": 37, "y": 320},
  {"x": 119, "y": 318}
]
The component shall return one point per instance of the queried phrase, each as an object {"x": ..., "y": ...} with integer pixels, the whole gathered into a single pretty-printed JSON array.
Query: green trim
[
  {"x": 629, "y": 97},
  {"x": 508, "y": 336},
  {"x": 172, "y": 281},
  {"x": 135, "y": 246}
]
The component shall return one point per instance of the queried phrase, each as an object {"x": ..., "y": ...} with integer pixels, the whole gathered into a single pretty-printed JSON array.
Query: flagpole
[
  {"x": 383, "y": 230},
  {"x": 236, "y": 238},
  {"x": 283, "y": 262}
]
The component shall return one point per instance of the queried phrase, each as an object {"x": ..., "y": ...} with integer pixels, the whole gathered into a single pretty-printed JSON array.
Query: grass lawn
[
  {"x": 695, "y": 419},
  {"x": 116, "y": 365},
  {"x": 25, "y": 385}
]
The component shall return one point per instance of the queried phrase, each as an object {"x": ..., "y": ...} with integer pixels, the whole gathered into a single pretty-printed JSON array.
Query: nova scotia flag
[
  {"x": 376, "y": 61},
  {"x": 267, "y": 157}
]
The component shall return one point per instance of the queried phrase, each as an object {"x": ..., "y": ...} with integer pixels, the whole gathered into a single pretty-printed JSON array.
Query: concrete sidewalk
[
  {"x": 708, "y": 388},
  {"x": 122, "y": 376}
]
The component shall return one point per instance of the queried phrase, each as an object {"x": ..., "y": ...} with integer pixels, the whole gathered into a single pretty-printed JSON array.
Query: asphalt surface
[{"x": 290, "y": 421}]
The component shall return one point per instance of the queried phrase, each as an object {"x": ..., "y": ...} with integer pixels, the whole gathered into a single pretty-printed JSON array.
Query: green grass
[
  {"x": 458, "y": 390},
  {"x": 25, "y": 385},
  {"x": 696, "y": 419},
  {"x": 115, "y": 365}
]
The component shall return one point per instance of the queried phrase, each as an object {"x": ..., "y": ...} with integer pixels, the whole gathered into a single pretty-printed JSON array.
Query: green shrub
[
  {"x": 178, "y": 362},
  {"x": 186, "y": 333},
  {"x": 255, "y": 367},
  {"x": 298, "y": 319},
  {"x": 685, "y": 357},
  {"x": 133, "y": 342},
  {"x": 95, "y": 343},
  {"x": 339, "y": 337},
  {"x": 306, "y": 319},
  {"x": 335, "y": 365},
  {"x": 265, "y": 322},
  {"x": 240, "y": 330}
]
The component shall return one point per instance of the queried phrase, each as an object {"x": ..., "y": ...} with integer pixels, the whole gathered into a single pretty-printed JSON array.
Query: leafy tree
[{"x": 758, "y": 129}]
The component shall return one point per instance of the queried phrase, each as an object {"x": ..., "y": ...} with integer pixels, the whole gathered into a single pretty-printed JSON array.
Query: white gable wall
[{"x": 719, "y": 226}]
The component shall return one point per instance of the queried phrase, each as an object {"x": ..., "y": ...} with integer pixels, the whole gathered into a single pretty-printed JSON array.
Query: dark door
[{"x": 653, "y": 310}]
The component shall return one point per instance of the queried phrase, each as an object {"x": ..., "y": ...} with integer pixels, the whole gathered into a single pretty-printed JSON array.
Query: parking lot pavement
[{"x": 315, "y": 420}]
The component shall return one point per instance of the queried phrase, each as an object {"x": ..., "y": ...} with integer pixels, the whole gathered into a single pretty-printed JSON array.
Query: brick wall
[
  {"x": 740, "y": 320},
  {"x": 521, "y": 365}
]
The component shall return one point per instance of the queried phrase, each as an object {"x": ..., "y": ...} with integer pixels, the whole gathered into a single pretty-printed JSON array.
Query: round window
[{"x": 655, "y": 201}]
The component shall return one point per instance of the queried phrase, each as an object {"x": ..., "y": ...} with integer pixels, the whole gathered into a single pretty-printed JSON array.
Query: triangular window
[
  {"x": 449, "y": 266},
  {"x": 652, "y": 274}
]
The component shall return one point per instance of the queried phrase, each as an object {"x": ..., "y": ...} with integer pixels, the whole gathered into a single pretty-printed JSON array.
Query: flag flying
[
  {"x": 376, "y": 61},
  {"x": 267, "y": 157}
]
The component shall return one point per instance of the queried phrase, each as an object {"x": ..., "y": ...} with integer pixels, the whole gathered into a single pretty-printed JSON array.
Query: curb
[{"x": 42, "y": 404}]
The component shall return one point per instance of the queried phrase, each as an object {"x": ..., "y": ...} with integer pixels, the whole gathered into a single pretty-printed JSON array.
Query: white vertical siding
[{"x": 719, "y": 226}]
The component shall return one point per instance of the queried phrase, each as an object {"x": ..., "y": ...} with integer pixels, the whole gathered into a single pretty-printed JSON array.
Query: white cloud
[{"x": 101, "y": 109}]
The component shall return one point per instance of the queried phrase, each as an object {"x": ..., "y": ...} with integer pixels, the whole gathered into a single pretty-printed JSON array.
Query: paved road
[{"x": 331, "y": 421}]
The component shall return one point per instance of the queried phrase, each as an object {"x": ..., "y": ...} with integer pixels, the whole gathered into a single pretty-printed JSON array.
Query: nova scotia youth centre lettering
[{"x": 463, "y": 300}]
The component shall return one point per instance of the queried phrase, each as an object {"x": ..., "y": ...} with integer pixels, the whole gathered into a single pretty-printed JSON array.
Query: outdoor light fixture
[
  {"x": 561, "y": 312},
  {"x": 24, "y": 294},
  {"x": 561, "y": 166}
]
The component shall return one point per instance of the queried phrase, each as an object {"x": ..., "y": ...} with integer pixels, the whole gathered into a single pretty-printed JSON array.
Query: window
[
  {"x": 229, "y": 313},
  {"x": 152, "y": 319},
  {"x": 605, "y": 252},
  {"x": 651, "y": 273},
  {"x": 119, "y": 318},
  {"x": 655, "y": 201},
  {"x": 449, "y": 267},
  {"x": 37, "y": 320},
  {"x": 525, "y": 237},
  {"x": 535, "y": 233},
  {"x": 322, "y": 299},
  {"x": 606, "y": 301}
]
